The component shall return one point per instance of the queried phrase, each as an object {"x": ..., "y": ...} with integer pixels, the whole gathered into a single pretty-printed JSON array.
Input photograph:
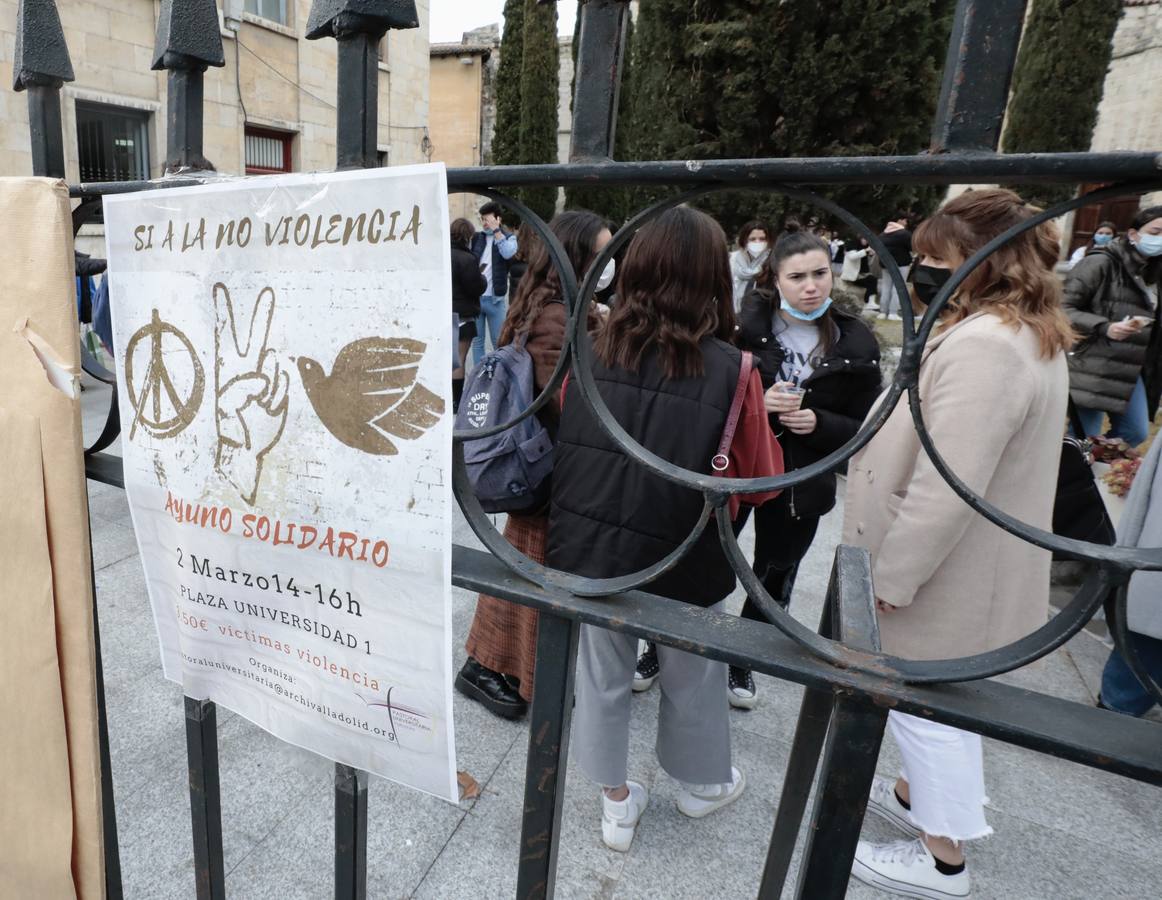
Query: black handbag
[{"x": 1079, "y": 511}]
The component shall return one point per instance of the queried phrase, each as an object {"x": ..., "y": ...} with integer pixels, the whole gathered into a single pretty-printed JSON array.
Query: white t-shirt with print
[{"x": 800, "y": 344}]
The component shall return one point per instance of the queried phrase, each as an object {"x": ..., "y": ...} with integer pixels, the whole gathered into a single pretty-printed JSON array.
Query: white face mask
[
  {"x": 607, "y": 275},
  {"x": 756, "y": 248}
]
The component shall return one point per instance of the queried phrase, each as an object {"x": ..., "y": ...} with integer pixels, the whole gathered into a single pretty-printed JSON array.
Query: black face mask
[{"x": 927, "y": 280}]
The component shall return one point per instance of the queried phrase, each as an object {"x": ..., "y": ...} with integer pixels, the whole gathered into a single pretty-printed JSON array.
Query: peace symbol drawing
[{"x": 169, "y": 393}]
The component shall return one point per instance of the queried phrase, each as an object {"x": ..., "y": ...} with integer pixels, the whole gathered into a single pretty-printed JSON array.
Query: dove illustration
[{"x": 372, "y": 395}]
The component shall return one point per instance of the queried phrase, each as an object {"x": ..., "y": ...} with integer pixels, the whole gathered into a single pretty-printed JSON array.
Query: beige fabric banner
[{"x": 50, "y": 795}]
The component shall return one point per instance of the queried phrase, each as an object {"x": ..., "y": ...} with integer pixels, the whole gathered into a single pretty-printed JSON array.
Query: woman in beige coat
[{"x": 993, "y": 388}]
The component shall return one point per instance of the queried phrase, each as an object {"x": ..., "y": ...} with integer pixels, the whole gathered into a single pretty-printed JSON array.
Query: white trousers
[
  {"x": 693, "y": 742},
  {"x": 889, "y": 296},
  {"x": 944, "y": 768}
]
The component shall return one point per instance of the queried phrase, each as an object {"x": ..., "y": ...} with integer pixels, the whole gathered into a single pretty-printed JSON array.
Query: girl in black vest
[
  {"x": 820, "y": 366},
  {"x": 668, "y": 374}
]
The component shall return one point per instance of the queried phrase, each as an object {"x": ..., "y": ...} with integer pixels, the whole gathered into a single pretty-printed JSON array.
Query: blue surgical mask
[
  {"x": 1100, "y": 240},
  {"x": 807, "y": 317},
  {"x": 1149, "y": 244}
]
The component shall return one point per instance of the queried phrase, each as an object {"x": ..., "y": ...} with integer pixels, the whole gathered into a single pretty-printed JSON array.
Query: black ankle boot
[{"x": 490, "y": 689}]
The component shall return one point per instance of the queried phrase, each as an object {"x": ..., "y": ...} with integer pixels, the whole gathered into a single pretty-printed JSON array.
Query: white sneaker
[
  {"x": 884, "y": 803},
  {"x": 698, "y": 800},
  {"x": 895, "y": 317},
  {"x": 619, "y": 818},
  {"x": 907, "y": 869}
]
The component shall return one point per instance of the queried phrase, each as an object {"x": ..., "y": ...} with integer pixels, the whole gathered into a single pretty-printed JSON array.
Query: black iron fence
[{"x": 851, "y": 686}]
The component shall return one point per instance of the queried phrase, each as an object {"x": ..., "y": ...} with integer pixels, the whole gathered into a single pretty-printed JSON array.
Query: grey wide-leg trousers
[{"x": 693, "y": 741}]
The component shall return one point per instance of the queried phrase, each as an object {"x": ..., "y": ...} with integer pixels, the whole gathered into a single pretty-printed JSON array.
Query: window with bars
[
  {"x": 112, "y": 142},
  {"x": 274, "y": 10},
  {"x": 267, "y": 151}
]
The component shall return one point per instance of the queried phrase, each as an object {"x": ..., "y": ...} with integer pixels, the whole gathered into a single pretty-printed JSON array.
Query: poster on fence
[{"x": 285, "y": 356}]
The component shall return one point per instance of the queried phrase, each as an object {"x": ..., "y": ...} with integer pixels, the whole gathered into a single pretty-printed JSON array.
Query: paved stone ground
[{"x": 1062, "y": 831}]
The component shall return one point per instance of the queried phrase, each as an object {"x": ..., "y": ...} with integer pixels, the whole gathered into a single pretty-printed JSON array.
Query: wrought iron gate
[{"x": 850, "y": 684}]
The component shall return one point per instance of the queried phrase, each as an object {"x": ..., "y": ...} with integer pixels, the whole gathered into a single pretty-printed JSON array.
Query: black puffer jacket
[
  {"x": 841, "y": 390},
  {"x": 1104, "y": 287},
  {"x": 612, "y": 516},
  {"x": 467, "y": 282}
]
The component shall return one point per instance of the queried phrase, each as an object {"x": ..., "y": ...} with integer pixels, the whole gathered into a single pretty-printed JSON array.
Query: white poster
[{"x": 286, "y": 351}]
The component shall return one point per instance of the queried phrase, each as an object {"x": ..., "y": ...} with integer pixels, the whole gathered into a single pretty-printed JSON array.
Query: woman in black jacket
[
  {"x": 468, "y": 285},
  {"x": 1111, "y": 297},
  {"x": 820, "y": 367}
]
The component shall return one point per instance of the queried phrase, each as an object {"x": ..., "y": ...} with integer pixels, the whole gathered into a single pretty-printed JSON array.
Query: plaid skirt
[{"x": 503, "y": 636}]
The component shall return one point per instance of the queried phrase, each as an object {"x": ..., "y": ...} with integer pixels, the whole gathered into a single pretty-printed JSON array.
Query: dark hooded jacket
[
  {"x": 841, "y": 391},
  {"x": 1105, "y": 286}
]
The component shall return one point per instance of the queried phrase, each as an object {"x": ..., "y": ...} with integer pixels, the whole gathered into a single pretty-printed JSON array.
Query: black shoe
[
  {"x": 647, "y": 669},
  {"x": 490, "y": 689},
  {"x": 740, "y": 689}
]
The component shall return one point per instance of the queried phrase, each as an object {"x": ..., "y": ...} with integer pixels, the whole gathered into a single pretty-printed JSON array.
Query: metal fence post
[
  {"x": 205, "y": 798},
  {"x": 350, "y": 833},
  {"x": 358, "y": 26},
  {"x": 982, "y": 53},
  {"x": 853, "y": 742},
  {"x": 600, "y": 51},
  {"x": 40, "y": 66},
  {"x": 187, "y": 42},
  {"x": 549, "y": 722}
]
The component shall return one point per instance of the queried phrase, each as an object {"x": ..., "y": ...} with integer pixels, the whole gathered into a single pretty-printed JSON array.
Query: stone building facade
[
  {"x": 461, "y": 76},
  {"x": 1130, "y": 116},
  {"x": 270, "y": 108}
]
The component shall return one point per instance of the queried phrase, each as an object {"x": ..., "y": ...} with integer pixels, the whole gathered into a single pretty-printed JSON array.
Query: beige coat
[{"x": 996, "y": 411}]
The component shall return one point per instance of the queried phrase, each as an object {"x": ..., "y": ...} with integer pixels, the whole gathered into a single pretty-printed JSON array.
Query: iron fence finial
[
  {"x": 42, "y": 56},
  {"x": 389, "y": 14},
  {"x": 188, "y": 36}
]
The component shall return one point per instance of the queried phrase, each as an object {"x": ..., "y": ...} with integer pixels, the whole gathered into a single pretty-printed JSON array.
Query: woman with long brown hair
[
  {"x": 993, "y": 387},
  {"x": 503, "y": 637},
  {"x": 666, "y": 370}
]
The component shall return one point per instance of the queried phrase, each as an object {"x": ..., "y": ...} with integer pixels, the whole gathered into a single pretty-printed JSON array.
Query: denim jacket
[{"x": 503, "y": 250}]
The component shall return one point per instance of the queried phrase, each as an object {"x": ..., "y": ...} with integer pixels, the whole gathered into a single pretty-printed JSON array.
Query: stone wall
[
  {"x": 286, "y": 83},
  {"x": 1130, "y": 116}
]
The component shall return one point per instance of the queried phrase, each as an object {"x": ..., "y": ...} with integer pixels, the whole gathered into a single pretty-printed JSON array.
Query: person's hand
[
  {"x": 1119, "y": 331},
  {"x": 801, "y": 421},
  {"x": 777, "y": 401},
  {"x": 251, "y": 389}
]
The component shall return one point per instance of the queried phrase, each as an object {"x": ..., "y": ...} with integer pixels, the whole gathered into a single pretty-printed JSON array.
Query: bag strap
[
  {"x": 721, "y": 459},
  {"x": 1075, "y": 421}
]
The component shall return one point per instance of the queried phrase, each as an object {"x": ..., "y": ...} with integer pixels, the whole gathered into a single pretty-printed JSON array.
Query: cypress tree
[
  {"x": 1058, "y": 81},
  {"x": 506, "y": 131},
  {"x": 777, "y": 78},
  {"x": 538, "y": 100}
]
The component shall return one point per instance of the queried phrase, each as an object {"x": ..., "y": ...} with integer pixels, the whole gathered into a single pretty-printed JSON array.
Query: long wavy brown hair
[
  {"x": 673, "y": 290},
  {"x": 1017, "y": 282},
  {"x": 577, "y": 230}
]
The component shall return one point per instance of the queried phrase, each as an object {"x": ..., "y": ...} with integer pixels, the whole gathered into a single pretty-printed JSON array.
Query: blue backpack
[{"x": 509, "y": 471}]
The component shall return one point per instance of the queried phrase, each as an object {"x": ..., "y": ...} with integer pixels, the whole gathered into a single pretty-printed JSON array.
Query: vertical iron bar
[
  {"x": 113, "y": 887},
  {"x": 848, "y": 766},
  {"x": 44, "y": 126},
  {"x": 358, "y": 97},
  {"x": 356, "y": 140},
  {"x": 600, "y": 53},
  {"x": 350, "y": 833},
  {"x": 810, "y": 732},
  {"x": 853, "y": 741},
  {"x": 549, "y": 723},
  {"x": 184, "y": 120},
  {"x": 814, "y": 715},
  {"x": 205, "y": 798},
  {"x": 982, "y": 52}
]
